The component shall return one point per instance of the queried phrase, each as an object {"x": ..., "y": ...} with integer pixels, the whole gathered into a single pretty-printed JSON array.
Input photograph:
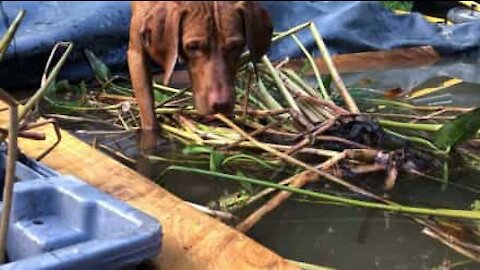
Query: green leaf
[
  {"x": 196, "y": 149},
  {"x": 306, "y": 67},
  {"x": 327, "y": 82},
  {"x": 359, "y": 93},
  {"x": 247, "y": 157},
  {"x": 216, "y": 159},
  {"x": 55, "y": 97},
  {"x": 101, "y": 70},
  {"x": 460, "y": 129},
  {"x": 159, "y": 96}
]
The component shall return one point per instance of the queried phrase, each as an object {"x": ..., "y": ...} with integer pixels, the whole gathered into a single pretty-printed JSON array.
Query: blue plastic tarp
[{"x": 102, "y": 27}]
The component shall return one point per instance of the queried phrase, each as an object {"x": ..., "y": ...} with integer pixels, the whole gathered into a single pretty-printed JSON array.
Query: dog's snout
[{"x": 221, "y": 101}]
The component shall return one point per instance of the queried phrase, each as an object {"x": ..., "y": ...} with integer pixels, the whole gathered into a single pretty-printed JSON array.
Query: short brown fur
[{"x": 208, "y": 35}]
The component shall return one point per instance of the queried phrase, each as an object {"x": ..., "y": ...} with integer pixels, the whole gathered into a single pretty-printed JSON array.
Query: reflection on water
[
  {"x": 340, "y": 237},
  {"x": 347, "y": 238},
  {"x": 410, "y": 79},
  {"x": 344, "y": 237}
]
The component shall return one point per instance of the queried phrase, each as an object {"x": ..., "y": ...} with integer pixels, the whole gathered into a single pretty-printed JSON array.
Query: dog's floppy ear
[
  {"x": 258, "y": 28},
  {"x": 160, "y": 34}
]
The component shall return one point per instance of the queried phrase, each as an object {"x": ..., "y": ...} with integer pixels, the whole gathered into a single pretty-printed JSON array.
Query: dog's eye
[
  {"x": 193, "y": 47},
  {"x": 235, "y": 45}
]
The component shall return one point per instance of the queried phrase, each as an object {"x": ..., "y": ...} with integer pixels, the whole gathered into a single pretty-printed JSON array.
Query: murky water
[{"x": 342, "y": 237}]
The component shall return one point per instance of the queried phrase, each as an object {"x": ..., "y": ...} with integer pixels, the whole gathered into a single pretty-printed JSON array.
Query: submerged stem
[{"x": 352, "y": 202}]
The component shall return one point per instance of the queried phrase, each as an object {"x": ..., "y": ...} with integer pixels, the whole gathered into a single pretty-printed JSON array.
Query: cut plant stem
[
  {"x": 278, "y": 81},
  {"x": 297, "y": 181},
  {"x": 300, "y": 163},
  {"x": 308, "y": 266},
  {"x": 9, "y": 179},
  {"x": 316, "y": 114},
  {"x": 158, "y": 158},
  {"x": 297, "y": 147},
  {"x": 475, "y": 215},
  {"x": 414, "y": 126},
  {"x": 247, "y": 94},
  {"x": 187, "y": 138},
  {"x": 390, "y": 205},
  {"x": 320, "y": 102},
  {"x": 429, "y": 116},
  {"x": 51, "y": 78},
  {"x": 416, "y": 140},
  {"x": 190, "y": 128},
  {"x": 7, "y": 38},
  {"x": 352, "y": 106},
  {"x": 312, "y": 114},
  {"x": 106, "y": 132},
  {"x": 81, "y": 119},
  {"x": 298, "y": 80},
  {"x": 125, "y": 125},
  {"x": 210, "y": 212},
  {"x": 169, "y": 89},
  {"x": 323, "y": 90},
  {"x": 408, "y": 116},
  {"x": 87, "y": 109},
  {"x": 172, "y": 97},
  {"x": 447, "y": 240},
  {"x": 263, "y": 113},
  {"x": 290, "y": 31},
  {"x": 255, "y": 133},
  {"x": 252, "y": 100},
  {"x": 174, "y": 110},
  {"x": 37, "y": 136},
  {"x": 414, "y": 107},
  {"x": 117, "y": 153},
  {"x": 280, "y": 36},
  {"x": 266, "y": 97},
  {"x": 281, "y": 147},
  {"x": 441, "y": 180}
]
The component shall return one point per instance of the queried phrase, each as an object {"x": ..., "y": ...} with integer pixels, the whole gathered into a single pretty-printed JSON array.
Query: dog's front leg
[{"x": 142, "y": 84}]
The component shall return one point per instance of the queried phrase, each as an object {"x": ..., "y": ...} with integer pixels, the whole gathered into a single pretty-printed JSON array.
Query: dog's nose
[
  {"x": 221, "y": 101},
  {"x": 222, "y": 107}
]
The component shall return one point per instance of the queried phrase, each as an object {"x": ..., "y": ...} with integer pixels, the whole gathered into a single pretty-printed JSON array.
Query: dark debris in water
[{"x": 366, "y": 132}]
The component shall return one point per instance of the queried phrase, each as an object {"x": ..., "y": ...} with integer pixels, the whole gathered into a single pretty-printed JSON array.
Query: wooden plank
[
  {"x": 192, "y": 240},
  {"x": 380, "y": 60}
]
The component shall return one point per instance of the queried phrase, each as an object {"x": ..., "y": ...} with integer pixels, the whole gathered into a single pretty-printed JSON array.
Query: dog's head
[{"x": 209, "y": 36}]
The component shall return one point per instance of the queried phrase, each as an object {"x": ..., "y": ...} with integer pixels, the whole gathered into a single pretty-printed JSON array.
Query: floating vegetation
[{"x": 312, "y": 130}]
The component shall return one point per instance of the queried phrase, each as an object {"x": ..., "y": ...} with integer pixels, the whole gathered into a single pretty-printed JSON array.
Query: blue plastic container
[
  {"x": 60, "y": 222},
  {"x": 25, "y": 169}
]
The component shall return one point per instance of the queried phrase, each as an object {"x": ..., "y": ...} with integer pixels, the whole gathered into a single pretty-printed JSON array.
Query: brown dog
[{"x": 209, "y": 36}]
